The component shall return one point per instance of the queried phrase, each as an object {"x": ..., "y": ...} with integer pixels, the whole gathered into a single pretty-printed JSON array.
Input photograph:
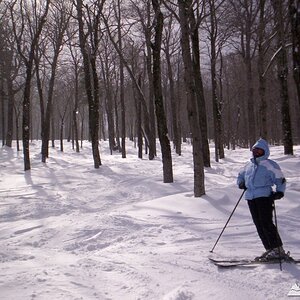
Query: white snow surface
[{"x": 69, "y": 231}]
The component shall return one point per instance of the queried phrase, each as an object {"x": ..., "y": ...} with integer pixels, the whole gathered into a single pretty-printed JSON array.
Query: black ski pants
[{"x": 262, "y": 214}]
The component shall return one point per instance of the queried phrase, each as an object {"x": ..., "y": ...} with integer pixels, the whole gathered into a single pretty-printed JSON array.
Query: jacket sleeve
[
  {"x": 280, "y": 184},
  {"x": 241, "y": 177},
  {"x": 279, "y": 179}
]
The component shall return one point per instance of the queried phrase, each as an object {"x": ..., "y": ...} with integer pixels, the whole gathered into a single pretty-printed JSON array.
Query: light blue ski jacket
[{"x": 261, "y": 174}]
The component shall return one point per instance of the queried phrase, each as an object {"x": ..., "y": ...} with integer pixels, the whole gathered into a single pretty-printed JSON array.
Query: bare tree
[
  {"x": 282, "y": 67},
  {"x": 195, "y": 17},
  {"x": 260, "y": 67},
  {"x": 122, "y": 96},
  {"x": 30, "y": 19},
  {"x": 64, "y": 95},
  {"x": 149, "y": 134},
  {"x": 216, "y": 42},
  {"x": 108, "y": 60},
  {"x": 55, "y": 32},
  {"x": 2, "y": 112},
  {"x": 10, "y": 70},
  {"x": 76, "y": 59},
  {"x": 138, "y": 108},
  {"x": 192, "y": 108},
  {"x": 159, "y": 107},
  {"x": 3, "y": 50},
  {"x": 245, "y": 15},
  {"x": 294, "y": 10},
  {"x": 170, "y": 48},
  {"x": 89, "y": 42},
  {"x": 144, "y": 18}
]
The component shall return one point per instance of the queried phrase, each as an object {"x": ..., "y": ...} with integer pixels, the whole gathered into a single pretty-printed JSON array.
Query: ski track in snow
[{"x": 72, "y": 232}]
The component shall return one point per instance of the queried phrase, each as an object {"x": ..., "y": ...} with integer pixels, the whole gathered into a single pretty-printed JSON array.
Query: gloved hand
[
  {"x": 276, "y": 195},
  {"x": 242, "y": 186}
]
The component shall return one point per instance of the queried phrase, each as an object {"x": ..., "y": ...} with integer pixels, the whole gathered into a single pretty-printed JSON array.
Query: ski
[{"x": 231, "y": 263}]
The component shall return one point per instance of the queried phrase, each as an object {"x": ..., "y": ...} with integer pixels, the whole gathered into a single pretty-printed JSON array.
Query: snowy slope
[{"x": 68, "y": 231}]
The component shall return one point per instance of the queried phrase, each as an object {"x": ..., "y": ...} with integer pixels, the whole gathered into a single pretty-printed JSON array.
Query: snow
[{"x": 69, "y": 231}]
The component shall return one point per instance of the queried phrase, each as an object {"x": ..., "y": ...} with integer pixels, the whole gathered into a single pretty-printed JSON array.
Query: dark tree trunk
[
  {"x": 250, "y": 102},
  {"x": 27, "y": 89},
  {"x": 199, "y": 188},
  {"x": 260, "y": 66},
  {"x": 57, "y": 40},
  {"x": 17, "y": 127},
  {"x": 109, "y": 105},
  {"x": 61, "y": 136},
  {"x": 139, "y": 131},
  {"x": 219, "y": 150},
  {"x": 46, "y": 124},
  {"x": 173, "y": 100},
  {"x": 247, "y": 57},
  {"x": 220, "y": 112},
  {"x": 75, "y": 110},
  {"x": 2, "y": 96},
  {"x": 198, "y": 83},
  {"x": 282, "y": 67},
  {"x": 147, "y": 29},
  {"x": 122, "y": 94},
  {"x": 159, "y": 107},
  {"x": 10, "y": 113},
  {"x": 294, "y": 9},
  {"x": 91, "y": 82},
  {"x": 26, "y": 113}
]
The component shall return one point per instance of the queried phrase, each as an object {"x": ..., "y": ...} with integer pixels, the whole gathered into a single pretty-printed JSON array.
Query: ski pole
[
  {"x": 275, "y": 217},
  {"x": 212, "y": 250}
]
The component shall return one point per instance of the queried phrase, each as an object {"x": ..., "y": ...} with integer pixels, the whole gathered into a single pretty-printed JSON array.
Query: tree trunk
[
  {"x": 17, "y": 128},
  {"x": 159, "y": 107},
  {"x": 199, "y": 188},
  {"x": 294, "y": 10},
  {"x": 27, "y": 89},
  {"x": 250, "y": 102},
  {"x": 61, "y": 136},
  {"x": 282, "y": 66},
  {"x": 198, "y": 83},
  {"x": 139, "y": 133},
  {"x": 260, "y": 66},
  {"x": 173, "y": 100},
  {"x": 75, "y": 110},
  {"x": 26, "y": 113},
  {"x": 219, "y": 150},
  {"x": 91, "y": 84},
  {"x": 2, "y": 95},
  {"x": 249, "y": 76},
  {"x": 220, "y": 111},
  {"x": 40, "y": 91},
  {"x": 10, "y": 112},
  {"x": 46, "y": 124},
  {"x": 109, "y": 104},
  {"x": 147, "y": 29},
  {"x": 122, "y": 95}
]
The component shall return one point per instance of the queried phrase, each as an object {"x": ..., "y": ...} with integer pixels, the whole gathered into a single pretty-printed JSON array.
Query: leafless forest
[{"x": 226, "y": 71}]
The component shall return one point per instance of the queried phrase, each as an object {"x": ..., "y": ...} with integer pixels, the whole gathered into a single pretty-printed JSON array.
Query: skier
[{"x": 257, "y": 178}]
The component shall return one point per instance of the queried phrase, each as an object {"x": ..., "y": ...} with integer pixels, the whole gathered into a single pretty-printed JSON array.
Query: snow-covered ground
[{"x": 69, "y": 231}]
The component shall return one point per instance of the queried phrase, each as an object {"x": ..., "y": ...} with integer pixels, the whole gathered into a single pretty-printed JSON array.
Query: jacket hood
[{"x": 262, "y": 144}]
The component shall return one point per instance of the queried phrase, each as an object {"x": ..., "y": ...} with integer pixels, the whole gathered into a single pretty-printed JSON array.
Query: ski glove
[
  {"x": 242, "y": 186},
  {"x": 276, "y": 195}
]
